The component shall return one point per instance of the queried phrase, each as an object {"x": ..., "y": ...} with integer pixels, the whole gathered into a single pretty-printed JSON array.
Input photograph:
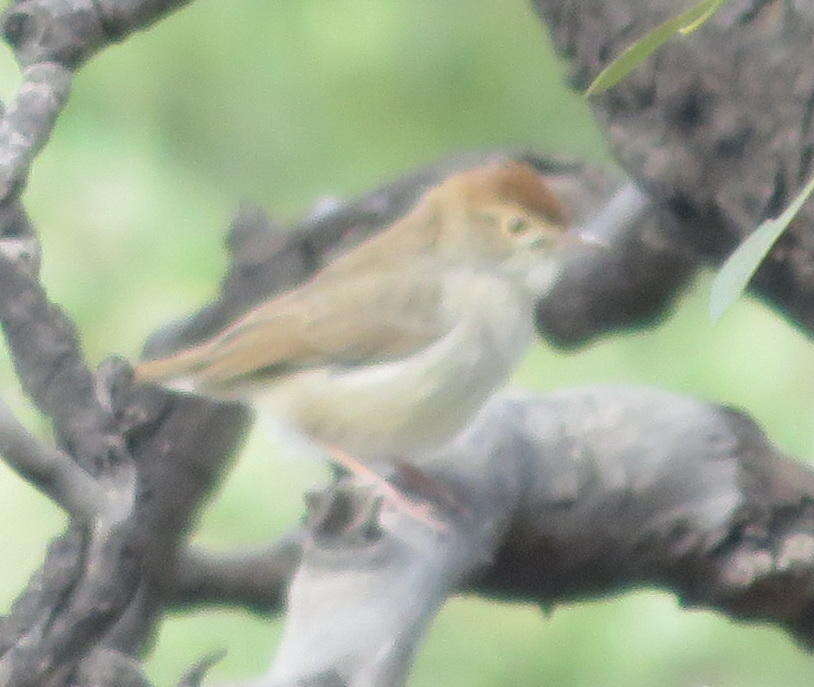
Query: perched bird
[{"x": 392, "y": 348}]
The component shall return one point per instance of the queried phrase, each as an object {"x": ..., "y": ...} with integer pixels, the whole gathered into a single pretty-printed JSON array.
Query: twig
[
  {"x": 256, "y": 580},
  {"x": 195, "y": 675},
  {"x": 51, "y": 471}
]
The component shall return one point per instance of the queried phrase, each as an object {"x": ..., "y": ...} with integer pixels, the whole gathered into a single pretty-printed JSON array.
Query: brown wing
[{"x": 358, "y": 318}]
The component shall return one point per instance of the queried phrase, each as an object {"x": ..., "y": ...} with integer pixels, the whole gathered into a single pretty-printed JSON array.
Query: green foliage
[
  {"x": 634, "y": 55},
  {"x": 733, "y": 278}
]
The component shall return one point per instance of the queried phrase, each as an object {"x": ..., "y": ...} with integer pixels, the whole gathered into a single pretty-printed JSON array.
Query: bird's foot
[
  {"x": 423, "y": 510},
  {"x": 433, "y": 490}
]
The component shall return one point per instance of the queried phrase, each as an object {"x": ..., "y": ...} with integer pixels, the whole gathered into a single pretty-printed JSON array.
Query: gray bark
[
  {"x": 571, "y": 495},
  {"x": 716, "y": 126}
]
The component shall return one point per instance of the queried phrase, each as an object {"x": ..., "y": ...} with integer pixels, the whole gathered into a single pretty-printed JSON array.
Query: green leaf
[
  {"x": 734, "y": 276},
  {"x": 711, "y": 10},
  {"x": 634, "y": 55}
]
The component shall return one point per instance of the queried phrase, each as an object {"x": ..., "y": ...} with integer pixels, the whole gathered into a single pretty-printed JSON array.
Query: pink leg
[
  {"x": 419, "y": 482},
  {"x": 419, "y": 510}
]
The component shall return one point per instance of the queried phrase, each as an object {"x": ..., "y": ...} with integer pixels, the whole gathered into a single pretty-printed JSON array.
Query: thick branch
[
  {"x": 256, "y": 580},
  {"x": 716, "y": 126},
  {"x": 575, "y": 494},
  {"x": 632, "y": 282},
  {"x": 69, "y": 32}
]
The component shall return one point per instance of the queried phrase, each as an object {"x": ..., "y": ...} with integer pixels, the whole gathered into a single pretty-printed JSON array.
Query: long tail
[{"x": 177, "y": 366}]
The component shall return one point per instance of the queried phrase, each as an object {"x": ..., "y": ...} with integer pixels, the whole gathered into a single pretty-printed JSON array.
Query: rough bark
[
  {"x": 98, "y": 593},
  {"x": 567, "y": 496},
  {"x": 716, "y": 126}
]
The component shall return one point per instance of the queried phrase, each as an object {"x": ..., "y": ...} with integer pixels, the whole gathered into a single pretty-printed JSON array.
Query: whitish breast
[{"x": 396, "y": 408}]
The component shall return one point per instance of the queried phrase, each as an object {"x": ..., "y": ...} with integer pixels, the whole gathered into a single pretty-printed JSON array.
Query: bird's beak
[
  {"x": 626, "y": 207},
  {"x": 582, "y": 236}
]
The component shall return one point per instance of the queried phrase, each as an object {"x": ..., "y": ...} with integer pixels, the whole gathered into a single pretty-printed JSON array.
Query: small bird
[{"x": 392, "y": 348}]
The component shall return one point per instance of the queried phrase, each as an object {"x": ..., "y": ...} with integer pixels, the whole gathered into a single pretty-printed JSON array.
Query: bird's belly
[{"x": 397, "y": 409}]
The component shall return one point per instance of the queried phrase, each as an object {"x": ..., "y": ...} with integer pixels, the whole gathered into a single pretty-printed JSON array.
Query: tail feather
[{"x": 168, "y": 369}]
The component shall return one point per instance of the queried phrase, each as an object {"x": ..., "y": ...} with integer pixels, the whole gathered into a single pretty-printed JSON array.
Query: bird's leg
[
  {"x": 423, "y": 511},
  {"x": 420, "y": 482}
]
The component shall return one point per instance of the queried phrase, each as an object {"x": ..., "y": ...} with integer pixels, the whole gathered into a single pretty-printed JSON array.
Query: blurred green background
[{"x": 283, "y": 102}]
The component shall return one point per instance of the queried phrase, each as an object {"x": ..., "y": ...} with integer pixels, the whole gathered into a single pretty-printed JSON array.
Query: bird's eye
[{"x": 516, "y": 226}]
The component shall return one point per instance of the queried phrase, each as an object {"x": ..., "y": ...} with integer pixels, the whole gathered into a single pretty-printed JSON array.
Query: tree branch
[
  {"x": 574, "y": 494},
  {"x": 26, "y": 126},
  {"x": 715, "y": 126},
  {"x": 51, "y": 471},
  {"x": 69, "y": 32},
  {"x": 255, "y": 580},
  {"x": 95, "y": 594}
]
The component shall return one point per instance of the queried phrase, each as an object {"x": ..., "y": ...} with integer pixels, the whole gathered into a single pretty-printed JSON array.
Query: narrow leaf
[
  {"x": 733, "y": 278},
  {"x": 711, "y": 10},
  {"x": 634, "y": 55}
]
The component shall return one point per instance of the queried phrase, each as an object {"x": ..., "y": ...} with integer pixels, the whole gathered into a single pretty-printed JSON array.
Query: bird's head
[{"x": 504, "y": 216}]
